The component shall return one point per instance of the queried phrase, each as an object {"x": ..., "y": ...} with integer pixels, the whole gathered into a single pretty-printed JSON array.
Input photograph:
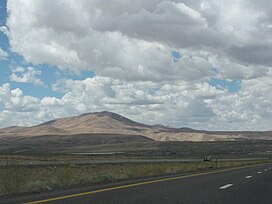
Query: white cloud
[
  {"x": 227, "y": 69},
  {"x": 179, "y": 104},
  {"x": 3, "y": 54},
  {"x": 26, "y": 75},
  {"x": 128, "y": 45},
  {"x": 133, "y": 40},
  {"x": 4, "y": 30}
]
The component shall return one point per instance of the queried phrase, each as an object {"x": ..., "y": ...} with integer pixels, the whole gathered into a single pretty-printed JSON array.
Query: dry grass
[{"x": 19, "y": 180}]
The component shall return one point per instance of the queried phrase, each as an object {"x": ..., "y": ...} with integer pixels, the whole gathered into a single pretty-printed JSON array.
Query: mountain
[{"x": 108, "y": 123}]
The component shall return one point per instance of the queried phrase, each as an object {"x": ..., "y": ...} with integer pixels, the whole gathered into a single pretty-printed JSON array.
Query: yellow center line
[{"x": 136, "y": 184}]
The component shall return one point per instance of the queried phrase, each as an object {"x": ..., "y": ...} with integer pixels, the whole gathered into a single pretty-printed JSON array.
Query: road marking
[
  {"x": 226, "y": 186},
  {"x": 265, "y": 169},
  {"x": 259, "y": 172},
  {"x": 137, "y": 184},
  {"x": 248, "y": 177}
]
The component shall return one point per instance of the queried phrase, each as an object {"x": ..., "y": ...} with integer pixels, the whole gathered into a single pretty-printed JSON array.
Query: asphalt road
[{"x": 238, "y": 185}]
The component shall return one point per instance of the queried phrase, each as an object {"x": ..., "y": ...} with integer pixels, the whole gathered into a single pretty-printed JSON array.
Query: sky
[{"x": 203, "y": 64}]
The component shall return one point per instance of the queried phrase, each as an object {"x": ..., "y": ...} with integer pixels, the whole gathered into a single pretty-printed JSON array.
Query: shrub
[{"x": 13, "y": 178}]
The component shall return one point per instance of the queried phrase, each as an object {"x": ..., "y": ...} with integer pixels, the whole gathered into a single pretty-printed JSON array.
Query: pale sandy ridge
[{"x": 111, "y": 123}]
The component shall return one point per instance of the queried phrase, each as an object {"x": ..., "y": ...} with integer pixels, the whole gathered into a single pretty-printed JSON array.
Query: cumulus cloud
[
  {"x": 3, "y": 54},
  {"x": 134, "y": 40},
  {"x": 197, "y": 105},
  {"x": 4, "y": 30},
  {"x": 129, "y": 44},
  {"x": 15, "y": 101},
  {"x": 26, "y": 75},
  {"x": 250, "y": 106}
]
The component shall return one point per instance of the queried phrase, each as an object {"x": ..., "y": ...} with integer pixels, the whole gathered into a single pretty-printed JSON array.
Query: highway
[{"x": 237, "y": 185}]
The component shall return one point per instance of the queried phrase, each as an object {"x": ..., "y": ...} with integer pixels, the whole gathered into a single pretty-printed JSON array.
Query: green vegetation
[
  {"x": 16, "y": 180},
  {"x": 12, "y": 180},
  {"x": 28, "y": 173}
]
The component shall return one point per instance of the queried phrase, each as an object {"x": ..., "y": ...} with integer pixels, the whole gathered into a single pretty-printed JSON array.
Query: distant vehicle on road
[{"x": 207, "y": 158}]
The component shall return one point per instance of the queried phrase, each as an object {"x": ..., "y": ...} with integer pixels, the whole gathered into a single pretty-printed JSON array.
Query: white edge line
[{"x": 226, "y": 186}]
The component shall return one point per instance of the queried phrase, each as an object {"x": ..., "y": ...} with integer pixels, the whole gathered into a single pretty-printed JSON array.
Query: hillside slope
[{"x": 114, "y": 124}]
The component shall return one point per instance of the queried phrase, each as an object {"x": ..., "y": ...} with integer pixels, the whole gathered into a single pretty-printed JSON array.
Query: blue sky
[
  {"x": 209, "y": 71},
  {"x": 231, "y": 86},
  {"x": 50, "y": 74}
]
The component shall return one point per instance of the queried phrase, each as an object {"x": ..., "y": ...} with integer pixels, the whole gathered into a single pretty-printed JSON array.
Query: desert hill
[{"x": 113, "y": 124}]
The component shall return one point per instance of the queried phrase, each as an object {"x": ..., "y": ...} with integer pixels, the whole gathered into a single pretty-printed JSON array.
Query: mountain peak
[
  {"x": 101, "y": 114},
  {"x": 106, "y": 122},
  {"x": 118, "y": 118}
]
